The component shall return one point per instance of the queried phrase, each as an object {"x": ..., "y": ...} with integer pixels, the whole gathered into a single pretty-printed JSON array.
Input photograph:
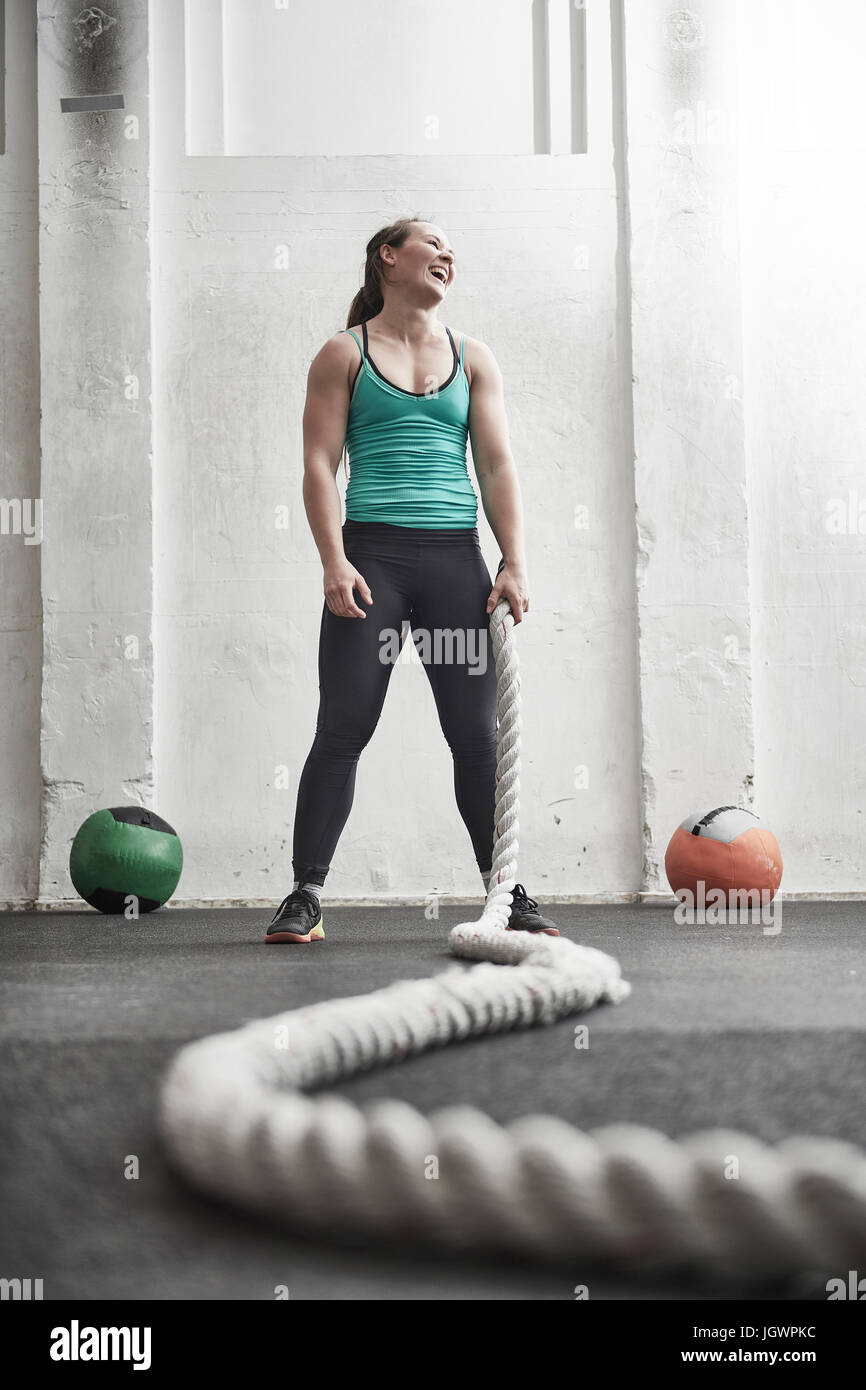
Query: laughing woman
[{"x": 399, "y": 393}]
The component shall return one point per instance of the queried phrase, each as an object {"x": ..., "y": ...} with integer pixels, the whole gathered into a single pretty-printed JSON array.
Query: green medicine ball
[{"x": 126, "y": 852}]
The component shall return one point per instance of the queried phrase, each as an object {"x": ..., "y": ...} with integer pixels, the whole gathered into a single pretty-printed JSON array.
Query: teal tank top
[{"x": 407, "y": 451}]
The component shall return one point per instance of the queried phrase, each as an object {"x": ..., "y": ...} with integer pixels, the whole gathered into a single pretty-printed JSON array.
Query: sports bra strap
[{"x": 365, "y": 348}]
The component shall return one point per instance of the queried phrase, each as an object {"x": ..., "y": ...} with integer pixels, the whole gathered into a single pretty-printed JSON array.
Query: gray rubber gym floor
[{"x": 725, "y": 1026}]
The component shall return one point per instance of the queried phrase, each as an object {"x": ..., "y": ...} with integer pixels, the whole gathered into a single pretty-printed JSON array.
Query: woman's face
[{"x": 424, "y": 261}]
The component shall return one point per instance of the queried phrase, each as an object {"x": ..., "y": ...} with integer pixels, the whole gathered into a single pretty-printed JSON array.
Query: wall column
[
  {"x": 94, "y": 268},
  {"x": 694, "y": 629}
]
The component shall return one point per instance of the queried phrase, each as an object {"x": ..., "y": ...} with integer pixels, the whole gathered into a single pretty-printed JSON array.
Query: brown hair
[{"x": 370, "y": 297}]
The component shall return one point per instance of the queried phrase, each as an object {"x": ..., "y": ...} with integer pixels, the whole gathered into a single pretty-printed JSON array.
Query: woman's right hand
[{"x": 340, "y": 579}]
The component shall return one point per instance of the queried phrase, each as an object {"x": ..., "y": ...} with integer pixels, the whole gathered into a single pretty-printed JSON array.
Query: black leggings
[{"x": 436, "y": 580}]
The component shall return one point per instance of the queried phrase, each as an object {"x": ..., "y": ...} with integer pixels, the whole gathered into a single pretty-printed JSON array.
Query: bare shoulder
[
  {"x": 478, "y": 360},
  {"x": 336, "y": 358},
  {"x": 340, "y": 347}
]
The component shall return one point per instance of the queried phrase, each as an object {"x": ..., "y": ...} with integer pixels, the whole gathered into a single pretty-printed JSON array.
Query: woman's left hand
[{"x": 512, "y": 584}]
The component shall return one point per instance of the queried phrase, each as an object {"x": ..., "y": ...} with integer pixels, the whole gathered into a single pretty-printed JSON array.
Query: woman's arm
[
  {"x": 497, "y": 476},
  {"x": 326, "y": 411}
]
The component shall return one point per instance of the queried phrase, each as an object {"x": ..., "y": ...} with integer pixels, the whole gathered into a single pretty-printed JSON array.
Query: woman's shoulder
[
  {"x": 477, "y": 343},
  {"x": 336, "y": 359},
  {"x": 476, "y": 354},
  {"x": 341, "y": 346}
]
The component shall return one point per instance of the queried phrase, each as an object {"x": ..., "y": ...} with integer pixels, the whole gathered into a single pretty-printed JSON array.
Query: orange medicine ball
[{"x": 728, "y": 849}]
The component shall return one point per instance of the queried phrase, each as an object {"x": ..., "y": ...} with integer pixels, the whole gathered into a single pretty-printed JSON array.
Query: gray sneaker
[{"x": 297, "y": 919}]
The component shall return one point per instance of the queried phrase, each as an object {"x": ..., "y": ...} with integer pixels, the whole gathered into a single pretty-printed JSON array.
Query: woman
[{"x": 397, "y": 393}]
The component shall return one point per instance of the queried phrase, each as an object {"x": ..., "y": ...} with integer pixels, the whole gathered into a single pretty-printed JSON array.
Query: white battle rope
[{"x": 237, "y": 1121}]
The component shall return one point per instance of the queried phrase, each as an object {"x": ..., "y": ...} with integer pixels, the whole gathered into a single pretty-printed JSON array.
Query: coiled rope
[{"x": 238, "y": 1122}]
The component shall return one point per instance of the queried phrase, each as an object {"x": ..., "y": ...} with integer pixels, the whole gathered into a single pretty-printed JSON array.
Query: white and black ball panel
[
  {"x": 726, "y": 850},
  {"x": 724, "y": 823}
]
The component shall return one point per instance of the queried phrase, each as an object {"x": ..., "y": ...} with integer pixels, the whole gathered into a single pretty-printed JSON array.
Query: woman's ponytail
[
  {"x": 370, "y": 297},
  {"x": 366, "y": 304}
]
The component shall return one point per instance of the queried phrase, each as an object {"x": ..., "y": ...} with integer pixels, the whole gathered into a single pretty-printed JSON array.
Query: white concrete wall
[
  {"x": 804, "y": 307},
  {"x": 95, "y": 341},
  {"x": 308, "y": 78},
  {"x": 257, "y": 260},
  {"x": 20, "y": 608},
  {"x": 675, "y": 313},
  {"x": 690, "y": 464}
]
